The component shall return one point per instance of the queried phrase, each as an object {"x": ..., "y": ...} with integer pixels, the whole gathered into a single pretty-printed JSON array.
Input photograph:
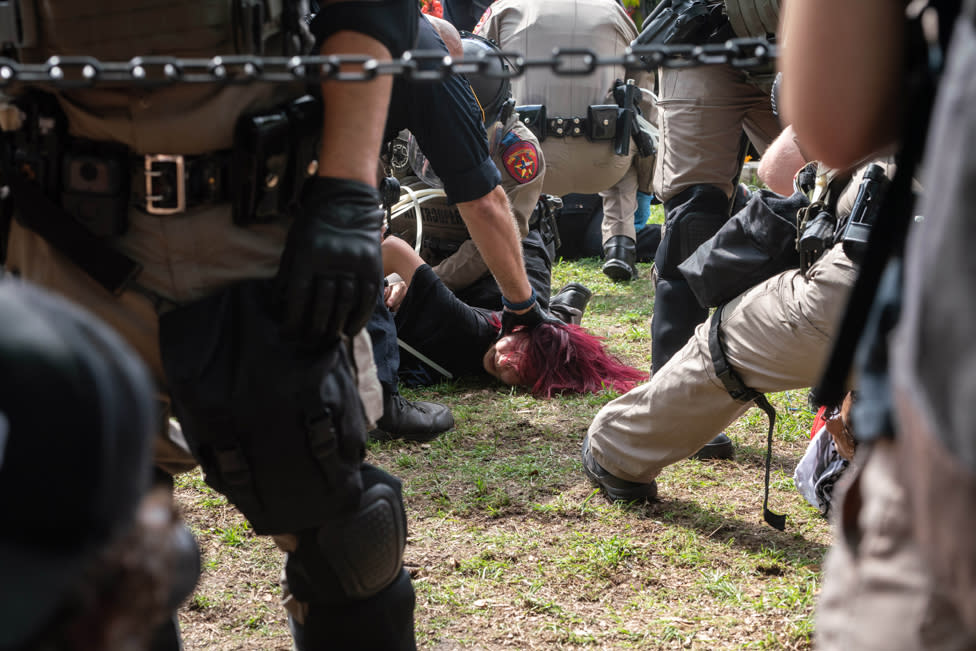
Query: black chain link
[{"x": 86, "y": 72}]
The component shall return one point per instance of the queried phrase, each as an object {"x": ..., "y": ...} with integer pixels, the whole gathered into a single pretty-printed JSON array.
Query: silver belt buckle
[{"x": 152, "y": 172}]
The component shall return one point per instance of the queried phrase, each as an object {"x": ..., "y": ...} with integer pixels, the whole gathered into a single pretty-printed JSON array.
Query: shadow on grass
[
  {"x": 754, "y": 456},
  {"x": 751, "y": 536}
]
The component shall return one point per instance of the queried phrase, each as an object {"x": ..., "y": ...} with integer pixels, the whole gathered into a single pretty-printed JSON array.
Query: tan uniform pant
[
  {"x": 877, "y": 592},
  {"x": 777, "y": 337},
  {"x": 701, "y": 114},
  {"x": 584, "y": 167},
  {"x": 184, "y": 258}
]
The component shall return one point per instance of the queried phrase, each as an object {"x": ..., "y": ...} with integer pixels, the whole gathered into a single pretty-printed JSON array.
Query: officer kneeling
[{"x": 774, "y": 336}]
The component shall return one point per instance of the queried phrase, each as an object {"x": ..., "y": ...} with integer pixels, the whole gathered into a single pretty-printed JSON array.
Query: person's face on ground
[{"x": 503, "y": 359}]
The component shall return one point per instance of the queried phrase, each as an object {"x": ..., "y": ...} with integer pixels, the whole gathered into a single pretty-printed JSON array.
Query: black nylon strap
[
  {"x": 109, "y": 268},
  {"x": 742, "y": 393}
]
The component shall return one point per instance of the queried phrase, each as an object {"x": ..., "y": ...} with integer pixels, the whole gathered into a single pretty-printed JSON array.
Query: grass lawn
[{"x": 511, "y": 548}]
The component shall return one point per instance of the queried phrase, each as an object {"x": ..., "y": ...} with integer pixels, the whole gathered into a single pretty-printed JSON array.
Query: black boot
[
  {"x": 620, "y": 255},
  {"x": 719, "y": 447},
  {"x": 410, "y": 421},
  {"x": 383, "y": 621},
  {"x": 570, "y": 302},
  {"x": 615, "y": 488}
]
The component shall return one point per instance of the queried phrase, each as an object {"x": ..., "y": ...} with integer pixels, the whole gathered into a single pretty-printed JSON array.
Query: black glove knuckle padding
[
  {"x": 331, "y": 260},
  {"x": 530, "y": 319}
]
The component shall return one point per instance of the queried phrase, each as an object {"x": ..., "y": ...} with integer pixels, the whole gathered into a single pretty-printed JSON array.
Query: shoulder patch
[
  {"x": 521, "y": 161},
  {"x": 481, "y": 21}
]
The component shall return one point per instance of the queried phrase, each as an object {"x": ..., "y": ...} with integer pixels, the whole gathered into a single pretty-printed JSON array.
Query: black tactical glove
[
  {"x": 331, "y": 267},
  {"x": 534, "y": 317}
]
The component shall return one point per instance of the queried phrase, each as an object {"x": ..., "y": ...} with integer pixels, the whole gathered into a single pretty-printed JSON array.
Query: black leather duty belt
[
  {"x": 600, "y": 123},
  {"x": 562, "y": 127}
]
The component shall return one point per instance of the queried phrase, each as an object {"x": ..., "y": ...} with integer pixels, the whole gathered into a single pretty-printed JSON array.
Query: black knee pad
[
  {"x": 391, "y": 22},
  {"x": 354, "y": 555},
  {"x": 692, "y": 217},
  {"x": 676, "y": 315}
]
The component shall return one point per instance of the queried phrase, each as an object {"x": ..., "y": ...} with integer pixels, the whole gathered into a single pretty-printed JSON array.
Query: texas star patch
[{"x": 521, "y": 161}]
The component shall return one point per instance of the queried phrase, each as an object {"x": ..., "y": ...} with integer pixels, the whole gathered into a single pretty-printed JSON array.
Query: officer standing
[
  {"x": 702, "y": 113},
  {"x": 578, "y": 114},
  {"x": 184, "y": 219},
  {"x": 774, "y": 336}
]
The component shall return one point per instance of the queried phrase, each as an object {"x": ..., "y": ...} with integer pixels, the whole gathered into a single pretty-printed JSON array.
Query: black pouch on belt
[
  {"x": 601, "y": 121},
  {"x": 260, "y": 162},
  {"x": 304, "y": 129},
  {"x": 95, "y": 178},
  {"x": 279, "y": 430},
  {"x": 274, "y": 152},
  {"x": 534, "y": 117}
]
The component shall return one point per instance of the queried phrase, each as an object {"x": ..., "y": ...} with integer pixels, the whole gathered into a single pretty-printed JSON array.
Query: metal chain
[{"x": 86, "y": 72}]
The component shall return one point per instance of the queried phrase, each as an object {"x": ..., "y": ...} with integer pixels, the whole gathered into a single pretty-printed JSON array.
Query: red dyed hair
[{"x": 568, "y": 359}]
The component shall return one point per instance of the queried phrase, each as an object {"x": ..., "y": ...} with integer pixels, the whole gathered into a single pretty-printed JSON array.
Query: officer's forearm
[
  {"x": 780, "y": 163},
  {"x": 842, "y": 67},
  {"x": 354, "y": 113},
  {"x": 492, "y": 227}
]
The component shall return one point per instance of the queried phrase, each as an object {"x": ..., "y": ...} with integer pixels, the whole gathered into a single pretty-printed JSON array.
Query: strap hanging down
[{"x": 739, "y": 391}]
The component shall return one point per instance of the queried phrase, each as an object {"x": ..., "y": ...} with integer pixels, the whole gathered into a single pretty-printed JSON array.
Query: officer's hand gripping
[
  {"x": 534, "y": 316},
  {"x": 331, "y": 267}
]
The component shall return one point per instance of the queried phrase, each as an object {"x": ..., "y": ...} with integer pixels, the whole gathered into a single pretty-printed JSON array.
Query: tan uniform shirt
[{"x": 574, "y": 164}]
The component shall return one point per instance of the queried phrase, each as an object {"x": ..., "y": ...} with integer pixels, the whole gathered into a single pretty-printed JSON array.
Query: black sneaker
[
  {"x": 411, "y": 421},
  {"x": 719, "y": 447},
  {"x": 616, "y": 489}
]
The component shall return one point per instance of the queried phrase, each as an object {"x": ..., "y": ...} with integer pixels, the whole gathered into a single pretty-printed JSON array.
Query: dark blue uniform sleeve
[
  {"x": 464, "y": 14},
  {"x": 379, "y": 19},
  {"x": 445, "y": 119}
]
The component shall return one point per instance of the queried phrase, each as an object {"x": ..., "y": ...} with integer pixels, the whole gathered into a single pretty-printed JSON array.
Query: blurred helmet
[{"x": 492, "y": 90}]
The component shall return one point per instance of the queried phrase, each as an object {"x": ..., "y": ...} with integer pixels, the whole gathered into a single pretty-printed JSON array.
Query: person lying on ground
[{"x": 459, "y": 340}]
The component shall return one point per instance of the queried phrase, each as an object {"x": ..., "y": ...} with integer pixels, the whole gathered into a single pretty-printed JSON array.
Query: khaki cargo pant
[
  {"x": 777, "y": 337},
  {"x": 701, "y": 113},
  {"x": 584, "y": 167},
  {"x": 184, "y": 258}
]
